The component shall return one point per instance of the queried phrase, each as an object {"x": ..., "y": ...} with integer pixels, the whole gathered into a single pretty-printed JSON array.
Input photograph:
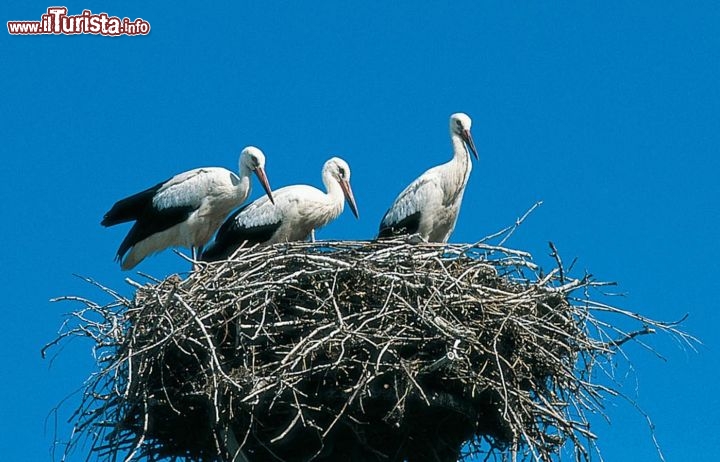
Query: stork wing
[
  {"x": 408, "y": 225},
  {"x": 131, "y": 207},
  {"x": 252, "y": 224},
  {"x": 188, "y": 189},
  {"x": 403, "y": 216},
  {"x": 164, "y": 205},
  {"x": 153, "y": 221},
  {"x": 182, "y": 190}
]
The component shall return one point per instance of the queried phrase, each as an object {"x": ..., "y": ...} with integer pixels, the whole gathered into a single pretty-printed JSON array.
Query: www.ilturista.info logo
[{"x": 56, "y": 21}]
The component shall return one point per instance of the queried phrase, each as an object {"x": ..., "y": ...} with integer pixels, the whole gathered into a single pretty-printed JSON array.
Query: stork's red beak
[
  {"x": 347, "y": 191},
  {"x": 260, "y": 172},
  {"x": 467, "y": 137}
]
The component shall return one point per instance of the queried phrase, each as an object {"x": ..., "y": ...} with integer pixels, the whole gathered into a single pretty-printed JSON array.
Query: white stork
[
  {"x": 298, "y": 210},
  {"x": 429, "y": 206},
  {"x": 185, "y": 210}
]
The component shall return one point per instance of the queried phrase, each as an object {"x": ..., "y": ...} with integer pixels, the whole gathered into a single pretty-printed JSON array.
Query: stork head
[
  {"x": 460, "y": 125},
  {"x": 252, "y": 159},
  {"x": 339, "y": 170}
]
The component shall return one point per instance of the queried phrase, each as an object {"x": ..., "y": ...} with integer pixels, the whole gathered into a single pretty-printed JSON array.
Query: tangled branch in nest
[{"x": 372, "y": 351}]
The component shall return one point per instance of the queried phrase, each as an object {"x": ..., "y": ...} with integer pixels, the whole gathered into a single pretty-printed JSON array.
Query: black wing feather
[
  {"x": 408, "y": 225},
  {"x": 232, "y": 235},
  {"x": 153, "y": 221},
  {"x": 132, "y": 207}
]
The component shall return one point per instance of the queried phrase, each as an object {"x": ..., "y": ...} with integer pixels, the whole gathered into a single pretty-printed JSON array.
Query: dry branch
[{"x": 367, "y": 351}]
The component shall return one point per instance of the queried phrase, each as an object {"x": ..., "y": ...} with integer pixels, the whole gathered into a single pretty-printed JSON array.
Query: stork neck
[
  {"x": 243, "y": 170},
  {"x": 334, "y": 192},
  {"x": 461, "y": 160},
  {"x": 244, "y": 184},
  {"x": 460, "y": 150}
]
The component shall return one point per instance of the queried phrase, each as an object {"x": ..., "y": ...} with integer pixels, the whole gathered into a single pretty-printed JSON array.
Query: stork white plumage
[
  {"x": 429, "y": 206},
  {"x": 298, "y": 210},
  {"x": 185, "y": 210}
]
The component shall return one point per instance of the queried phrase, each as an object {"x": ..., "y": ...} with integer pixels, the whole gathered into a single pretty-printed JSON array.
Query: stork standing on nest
[
  {"x": 429, "y": 206},
  {"x": 185, "y": 210},
  {"x": 298, "y": 210}
]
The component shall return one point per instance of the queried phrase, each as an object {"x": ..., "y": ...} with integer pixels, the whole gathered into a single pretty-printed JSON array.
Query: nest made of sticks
[{"x": 367, "y": 351}]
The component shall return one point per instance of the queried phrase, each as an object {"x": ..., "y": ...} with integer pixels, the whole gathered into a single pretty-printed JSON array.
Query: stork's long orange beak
[
  {"x": 260, "y": 172},
  {"x": 467, "y": 137},
  {"x": 347, "y": 191}
]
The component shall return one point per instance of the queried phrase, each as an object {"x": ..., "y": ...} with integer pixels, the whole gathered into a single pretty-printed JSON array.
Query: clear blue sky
[{"x": 608, "y": 112}]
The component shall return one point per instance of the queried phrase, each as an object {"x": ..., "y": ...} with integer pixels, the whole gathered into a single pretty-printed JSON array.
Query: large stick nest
[{"x": 365, "y": 351}]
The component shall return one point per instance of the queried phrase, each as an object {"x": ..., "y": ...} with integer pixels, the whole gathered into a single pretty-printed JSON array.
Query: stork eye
[
  {"x": 341, "y": 171},
  {"x": 459, "y": 123}
]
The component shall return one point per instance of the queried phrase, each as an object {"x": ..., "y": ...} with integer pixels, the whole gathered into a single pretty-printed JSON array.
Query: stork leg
[
  {"x": 196, "y": 252},
  {"x": 312, "y": 235}
]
